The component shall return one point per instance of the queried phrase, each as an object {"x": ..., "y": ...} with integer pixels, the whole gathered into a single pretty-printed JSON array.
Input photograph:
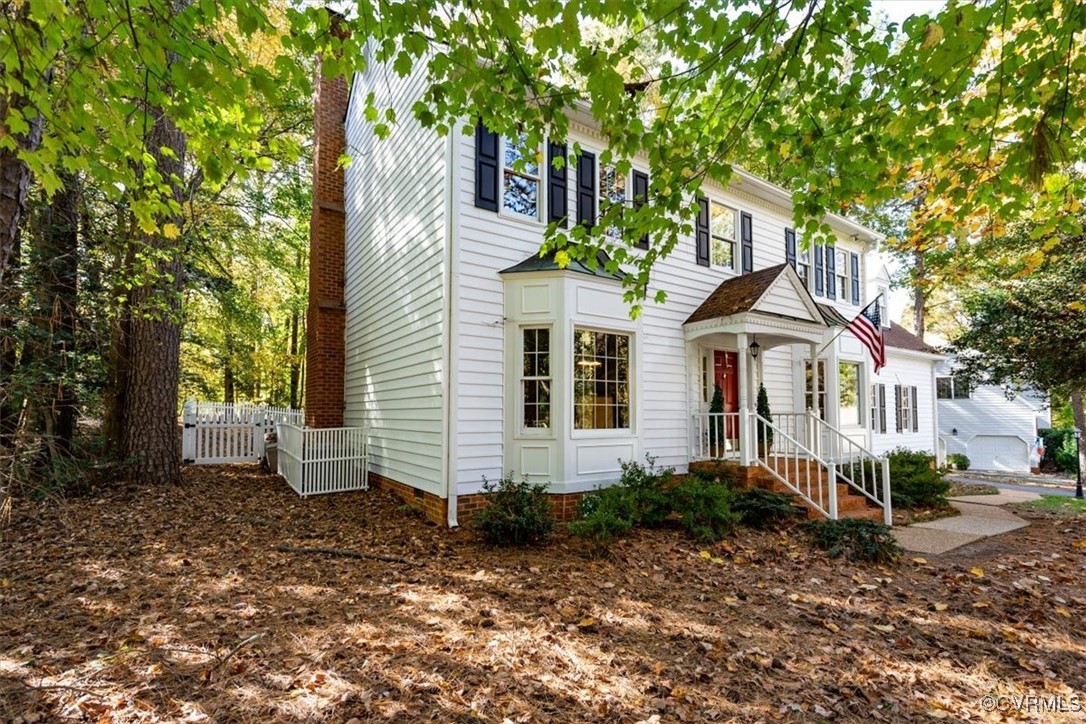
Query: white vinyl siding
[
  {"x": 394, "y": 293},
  {"x": 906, "y": 372}
]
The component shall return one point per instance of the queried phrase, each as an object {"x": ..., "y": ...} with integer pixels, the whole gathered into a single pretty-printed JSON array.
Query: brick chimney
[{"x": 324, "y": 352}]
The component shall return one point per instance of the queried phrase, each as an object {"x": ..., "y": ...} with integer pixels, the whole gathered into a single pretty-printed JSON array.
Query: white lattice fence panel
[{"x": 323, "y": 460}]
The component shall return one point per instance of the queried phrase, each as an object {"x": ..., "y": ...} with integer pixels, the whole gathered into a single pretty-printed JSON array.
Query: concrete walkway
[{"x": 982, "y": 516}]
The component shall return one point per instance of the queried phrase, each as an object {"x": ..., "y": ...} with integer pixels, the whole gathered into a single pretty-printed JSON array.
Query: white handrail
[
  {"x": 798, "y": 462},
  {"x": 860, "y": 468}
]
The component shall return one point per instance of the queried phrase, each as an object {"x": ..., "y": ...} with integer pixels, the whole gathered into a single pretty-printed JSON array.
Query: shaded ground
[{"x": 167, "y": 605}]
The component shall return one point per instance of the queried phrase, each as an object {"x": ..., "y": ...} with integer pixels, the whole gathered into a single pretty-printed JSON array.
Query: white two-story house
[{"x": 469, "y": 356}]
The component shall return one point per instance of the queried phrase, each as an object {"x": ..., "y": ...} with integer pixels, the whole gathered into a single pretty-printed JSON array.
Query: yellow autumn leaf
[
  {"x": 170, "y": 231},
  {"x": 977, "y": 571},
  {"x": 921, "y": 561},
  {"x": 941, "y": 607},
  {"x": 1079, "y": 544},
  {"x": 561, "y": 258},
  {"x": 885, "y": 629},
  {"x": 1063, "y": 612},
  {"x": 831, "y": 626},
  {"x": 705, "y": 555}
]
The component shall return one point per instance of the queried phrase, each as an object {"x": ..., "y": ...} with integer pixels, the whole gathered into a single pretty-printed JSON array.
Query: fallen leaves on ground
[{"x": 180, "y": 604}]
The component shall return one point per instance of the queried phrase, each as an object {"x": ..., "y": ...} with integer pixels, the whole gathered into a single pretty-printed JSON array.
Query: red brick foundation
[
  {"x": 325, "y": 317},
  {"x": 565, "y": 507}
]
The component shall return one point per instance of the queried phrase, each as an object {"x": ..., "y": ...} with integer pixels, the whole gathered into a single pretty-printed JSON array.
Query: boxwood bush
[
  {"x": 914, "y": 482},
  {"x": 518, "y": 513},
  {"x": 856, "y": 539}
]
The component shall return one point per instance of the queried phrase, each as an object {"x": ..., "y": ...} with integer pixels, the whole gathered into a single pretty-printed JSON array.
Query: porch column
[{"x": 744, "y": 400}]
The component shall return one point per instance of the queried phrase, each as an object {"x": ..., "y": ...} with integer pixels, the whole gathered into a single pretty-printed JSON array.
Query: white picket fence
[
  {"x": 323, "y": 460},
  {"x": 219, "y": 432}
]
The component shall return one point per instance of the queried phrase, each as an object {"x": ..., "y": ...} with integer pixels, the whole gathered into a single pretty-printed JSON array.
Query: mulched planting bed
[{"x": 195, "y": 604}]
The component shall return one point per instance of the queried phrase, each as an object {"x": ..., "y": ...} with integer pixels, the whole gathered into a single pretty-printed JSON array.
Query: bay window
[
  {"x": 536, "y": 378},
  {"x": 601, "y": 380}
]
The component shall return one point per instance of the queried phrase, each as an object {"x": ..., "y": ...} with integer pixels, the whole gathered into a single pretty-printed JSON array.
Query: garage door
[{"x": 998, "y": 452}]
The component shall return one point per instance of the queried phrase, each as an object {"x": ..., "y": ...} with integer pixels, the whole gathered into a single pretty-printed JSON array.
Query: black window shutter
[
  {"x": 557, "y": 185},
  {"x": 701, "y": 232},
  {"x": 854, "y": 259},
  {"x": 641, "y": 197},
  {"x": 897, "y": 407},
  {"x": 915, "y": 410},
  {"x": 586, "y": 190},
  {"x": 882, "y": 408},
  {"x": 831, "y": 273},
  {"x": 819, "y": 271},
  {"x": 486, "y": 168},
  {"x": 790, "y": 246},
  {"x": 746, "y": 236}
]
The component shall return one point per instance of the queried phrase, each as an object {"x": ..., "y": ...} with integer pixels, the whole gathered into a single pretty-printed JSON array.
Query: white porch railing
[
  {"x": 716, "y": 436},
  {"x": 324, "y": 460}
]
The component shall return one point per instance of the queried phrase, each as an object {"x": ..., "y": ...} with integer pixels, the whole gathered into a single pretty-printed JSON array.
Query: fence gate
[{"x": 218, "y": 432}]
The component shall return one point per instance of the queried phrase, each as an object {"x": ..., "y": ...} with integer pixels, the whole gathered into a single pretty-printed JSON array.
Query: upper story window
[
  {"x": 884, "y": 310},
  {"x": 803, "y": 266},
  {"x": 840, "y": 259},
  {"x": 521, "y": 178},
  {"x": 612, "y": 192},
  {"x": 951, "y": 388},
  {"x": 722, "y": 233}
]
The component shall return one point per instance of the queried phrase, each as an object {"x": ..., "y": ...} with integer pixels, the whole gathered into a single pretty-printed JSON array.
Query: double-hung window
[
  {"x": 849, "y": 384},
  {"x": 601, "y": 380},
  {"x": 535, "y": 380},
  {"x": 722, "y": 235},
  {"x": 821, "y": 387},
  {"x": 840, "y": 259},
  {"x": 521, "y": 185},
  {"x": 803, "y": 266},
  {"x": 951, "y": 388},
  {"x": 612, "y": 192}
]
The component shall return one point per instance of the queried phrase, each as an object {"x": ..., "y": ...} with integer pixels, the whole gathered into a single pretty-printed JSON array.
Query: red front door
[{"x": 726, "y": 374}]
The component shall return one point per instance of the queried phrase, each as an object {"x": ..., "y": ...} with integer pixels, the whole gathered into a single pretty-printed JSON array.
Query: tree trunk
[
  {"x": 228, "y": 379},
  {"x": 295, "y": 376},
  {"x": 15, "y": 180},
  {"x": 152, "y": 331},
  {"x": 1080, "y": 424},
  {"x": 920, "y": 294}
]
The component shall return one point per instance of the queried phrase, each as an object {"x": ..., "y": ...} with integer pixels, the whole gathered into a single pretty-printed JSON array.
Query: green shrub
[
  {"x": 517, "y": 513},
  {"x": 1059, "y": 445},
  {"x": 705, "y": 509},
  {"x": 715, "y": 472},
  {"x": 606, "y": 514},
  {"x": 761, "y": 509},
  {"x": 957, "y": 461},
  {"x": 649, "y": 490},
  {"x": 765, "y": 433},
  {"x": 913, "y": 481},
  {"x": 856, "y": 539}
]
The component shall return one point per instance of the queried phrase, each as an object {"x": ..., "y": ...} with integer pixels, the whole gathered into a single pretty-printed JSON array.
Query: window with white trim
[
  {"x": 535, "y": 380},
  {"x": 848, "y": 376},
  {"x": 952, "y": 388},
  {"x": 803, "y": 264},
  {"x": 612, "y": 192},
  {"x": 722, "y": 235},
  {"x": 884, "y": 308},
  {"x": 840, "y": 259},
  {"x": 809, "y": 396},
  {"x": 521, "y": 182},
  {"x": 601, "y": 380}
]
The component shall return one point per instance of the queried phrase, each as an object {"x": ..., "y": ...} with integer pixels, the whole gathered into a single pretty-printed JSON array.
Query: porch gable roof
[{"x": 753, "y": 293}]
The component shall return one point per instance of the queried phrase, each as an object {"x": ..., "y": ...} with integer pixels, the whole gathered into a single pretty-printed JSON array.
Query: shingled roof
[
  {"x": 546, "y": 262},
  {"x": 900, "y": 338},
  {"x": 737, "y": 295}
]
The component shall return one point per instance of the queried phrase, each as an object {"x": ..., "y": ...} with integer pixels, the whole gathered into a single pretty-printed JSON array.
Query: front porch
[{"x": 769, "y": 315}]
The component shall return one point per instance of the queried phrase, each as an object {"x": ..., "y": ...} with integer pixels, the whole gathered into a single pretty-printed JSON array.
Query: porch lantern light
[
  {"x": 954, "y": 432},
  {"x": 754, "y": 347}
]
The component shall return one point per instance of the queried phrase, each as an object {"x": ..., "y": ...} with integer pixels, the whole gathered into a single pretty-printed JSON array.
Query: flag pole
[{"x": 845, "y": 328}]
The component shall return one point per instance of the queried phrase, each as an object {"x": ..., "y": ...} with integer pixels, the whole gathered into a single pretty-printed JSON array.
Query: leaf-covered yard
[{"x": 172, "y": 604}]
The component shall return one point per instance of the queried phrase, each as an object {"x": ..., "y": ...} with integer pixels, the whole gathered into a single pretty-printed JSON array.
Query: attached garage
[{"x": 999, "y": 452}]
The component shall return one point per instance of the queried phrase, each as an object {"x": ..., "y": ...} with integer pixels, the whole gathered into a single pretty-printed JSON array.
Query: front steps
[{"x": 849, "y": 505}]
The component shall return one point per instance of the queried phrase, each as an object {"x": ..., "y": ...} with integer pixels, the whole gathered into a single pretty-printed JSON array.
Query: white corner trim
[{"x": 452, "y": 323}]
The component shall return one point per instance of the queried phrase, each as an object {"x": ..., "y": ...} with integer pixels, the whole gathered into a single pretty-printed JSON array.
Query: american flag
[{"x": 867, "y": 326}]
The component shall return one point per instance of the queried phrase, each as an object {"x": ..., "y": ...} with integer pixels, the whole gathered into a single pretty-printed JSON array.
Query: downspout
[{"x": 452, "y": 321}]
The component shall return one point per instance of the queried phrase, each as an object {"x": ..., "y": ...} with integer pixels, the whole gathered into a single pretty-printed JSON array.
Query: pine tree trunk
[
  {"x": 152, "y": 331},
  {"x": 920, "y": 294}
]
